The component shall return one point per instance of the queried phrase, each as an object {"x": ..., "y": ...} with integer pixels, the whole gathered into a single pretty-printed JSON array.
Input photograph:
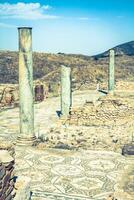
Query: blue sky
[{"x": 69, "y": 26}]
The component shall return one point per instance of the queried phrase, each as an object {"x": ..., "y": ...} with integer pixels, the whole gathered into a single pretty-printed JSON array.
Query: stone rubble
[
  {"x": 105, "y": 124},
  {"x": 106, "y": 111}
]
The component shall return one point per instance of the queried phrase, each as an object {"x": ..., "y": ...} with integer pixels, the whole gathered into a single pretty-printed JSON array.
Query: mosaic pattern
[{"x": 60, "y": 174}]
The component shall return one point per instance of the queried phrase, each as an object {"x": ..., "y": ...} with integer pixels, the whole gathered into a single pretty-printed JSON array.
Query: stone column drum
[
  {"x": 111, "y": 71},
  {"x": 26, "y": 136},
  {"x": 66, "y": 94}
]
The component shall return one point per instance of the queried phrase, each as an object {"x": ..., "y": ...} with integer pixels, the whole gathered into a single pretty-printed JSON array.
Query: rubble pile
[
  {"x": 106, "y": 111},
  {"x": 106, "y": 124}
]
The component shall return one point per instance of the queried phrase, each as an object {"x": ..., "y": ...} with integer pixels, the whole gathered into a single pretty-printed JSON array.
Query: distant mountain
[{"x": 123, "y": 49}]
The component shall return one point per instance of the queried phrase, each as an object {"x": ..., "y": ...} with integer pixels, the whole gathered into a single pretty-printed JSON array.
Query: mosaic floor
[{"x": 62, "y": 174}]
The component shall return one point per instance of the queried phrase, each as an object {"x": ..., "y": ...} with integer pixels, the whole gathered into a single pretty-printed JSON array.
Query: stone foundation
[
  {"x": 105, "y": 124},
  {"x": 107, "y": 111}
]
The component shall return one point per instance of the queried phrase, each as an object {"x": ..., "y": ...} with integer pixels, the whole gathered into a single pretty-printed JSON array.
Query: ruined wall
[
  {"x": 9, "y": 94},
  {"x": 105, "y": 124},
  {"x": 107, "y": 111},
  {"x": 6, "y": 175}
]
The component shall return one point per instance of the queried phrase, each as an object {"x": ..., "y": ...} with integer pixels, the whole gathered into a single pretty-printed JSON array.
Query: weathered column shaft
[
  {"x": 111, "y": 76},
  {"x": 26, "y": 86},
  {"x": 66, "y": 95}
]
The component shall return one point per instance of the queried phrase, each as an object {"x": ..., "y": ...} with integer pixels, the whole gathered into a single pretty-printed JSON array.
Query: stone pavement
[
  {"x": 70, "y": 175},
  {"x": 45, "y": 115}
]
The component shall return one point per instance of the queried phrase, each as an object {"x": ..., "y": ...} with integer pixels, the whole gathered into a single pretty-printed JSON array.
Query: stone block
[
  {"x": 23, "y": 188},
  {"x": 7, "y": 178},
  {"x": 128, "y": 149},
  {"x": 6, "y": 170},
  {"x": 5, "y": 157},
  {"x": 9, "y": 197},
  {"x": 9, "y": 191},
  {"x": 4, "y": 145},
  {"x": 2, "y": 172}
]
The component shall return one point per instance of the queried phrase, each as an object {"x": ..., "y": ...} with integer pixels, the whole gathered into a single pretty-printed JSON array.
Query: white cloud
[
  {"x": 46, "y": 7},
  {"x": 22, "y": 10}
]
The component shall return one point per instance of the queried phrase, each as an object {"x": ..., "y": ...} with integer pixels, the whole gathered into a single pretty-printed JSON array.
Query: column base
[
  {"x": 24, "y": 141},
  {"x": 111, "y": 92}
]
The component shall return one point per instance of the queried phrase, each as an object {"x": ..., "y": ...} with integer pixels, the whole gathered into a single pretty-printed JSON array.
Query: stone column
[
  {"x": 111, "y": 72},
  {"x": 66, "y": 94},
  {"x": 26, "y": 136}
]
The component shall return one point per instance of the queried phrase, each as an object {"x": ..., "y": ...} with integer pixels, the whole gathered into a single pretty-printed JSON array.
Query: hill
[
  {"x": 86, "y": 71},
  {"x": 123, "y": 49}
]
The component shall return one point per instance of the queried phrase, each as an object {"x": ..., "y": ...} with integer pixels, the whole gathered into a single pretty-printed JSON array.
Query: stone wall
[
  {"x": 8, "y": 95},
  {"x": 6, "y": 175},
  {"x": 107, "y": 111}
]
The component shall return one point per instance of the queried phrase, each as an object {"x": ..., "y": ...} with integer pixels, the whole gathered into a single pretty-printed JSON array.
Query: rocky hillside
[
  {"x": 123, "y": 49},
  {"x": 85, "y": 70}
]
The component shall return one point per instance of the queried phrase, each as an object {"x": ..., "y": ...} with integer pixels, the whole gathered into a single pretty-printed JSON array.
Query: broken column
[
  {"x": 66, "y": 95},
  {"x": 26, "y": 136},
  {"x": 111, "y": 71}
]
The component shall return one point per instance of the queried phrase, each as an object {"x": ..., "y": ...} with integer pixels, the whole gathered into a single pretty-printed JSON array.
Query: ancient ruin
[
  {"x": 39, "y": 93},
  {"x": 68, "y": 151}
]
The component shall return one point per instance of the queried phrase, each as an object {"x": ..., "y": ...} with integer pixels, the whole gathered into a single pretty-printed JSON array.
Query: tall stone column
[
  {"x": 111, "y": 71},
  {"x": 66, "y": 94},
  {"x": 26, "y": 136}
]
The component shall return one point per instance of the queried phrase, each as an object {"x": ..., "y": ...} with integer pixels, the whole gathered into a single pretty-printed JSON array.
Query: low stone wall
[
  {"x": 107, "y": 111},
  {"x": 6, "y": 175}
]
